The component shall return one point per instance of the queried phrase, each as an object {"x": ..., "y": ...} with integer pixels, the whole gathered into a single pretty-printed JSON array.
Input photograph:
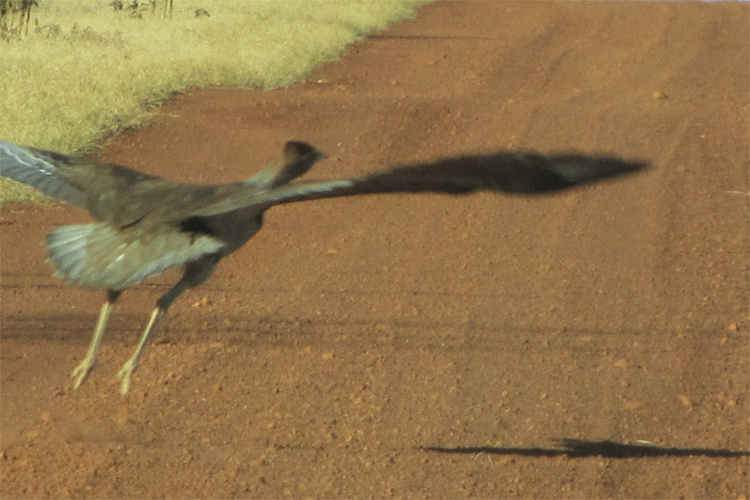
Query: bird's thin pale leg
[
  {"x": 195, "y": 273},
  {"x": 82, "y": 370},
  {"x": 130, "y": 365}
]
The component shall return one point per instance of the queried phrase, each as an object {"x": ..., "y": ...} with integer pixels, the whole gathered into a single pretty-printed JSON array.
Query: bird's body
[{"x": 147, "y": 224}]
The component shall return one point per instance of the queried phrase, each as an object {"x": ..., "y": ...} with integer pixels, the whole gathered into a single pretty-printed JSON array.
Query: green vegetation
[{"x": 86, "y": 69}]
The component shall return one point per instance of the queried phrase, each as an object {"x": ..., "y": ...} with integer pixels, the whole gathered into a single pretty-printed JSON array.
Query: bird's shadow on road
[{"x": 579, "y": 448}]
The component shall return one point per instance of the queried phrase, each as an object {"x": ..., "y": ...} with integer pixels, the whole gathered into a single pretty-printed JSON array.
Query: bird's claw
[
  {"x": 81, "y": 372},
  {"x": 125, "y": 375}
]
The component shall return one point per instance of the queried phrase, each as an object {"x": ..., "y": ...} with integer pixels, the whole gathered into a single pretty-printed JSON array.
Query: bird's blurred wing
[
  {"x": 101, "y": 256},
  {"x": 515, "y": 173}
]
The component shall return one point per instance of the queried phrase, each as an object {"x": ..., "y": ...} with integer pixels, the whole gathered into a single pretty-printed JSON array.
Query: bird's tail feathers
[{"x": 102, "y": 256}]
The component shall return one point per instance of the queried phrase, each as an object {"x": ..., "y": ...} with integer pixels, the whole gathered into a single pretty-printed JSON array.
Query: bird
[{"x": 147, "y": 224}]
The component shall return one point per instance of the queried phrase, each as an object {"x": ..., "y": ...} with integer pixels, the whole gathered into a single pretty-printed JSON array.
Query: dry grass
[{"x": 86, "y": 70}]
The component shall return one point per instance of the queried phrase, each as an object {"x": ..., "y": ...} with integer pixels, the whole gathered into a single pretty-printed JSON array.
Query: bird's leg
[
  {"x": 130, "y": 365},
  {"x": 82, "y": 370},
  {"x": 196, "y": 272}
]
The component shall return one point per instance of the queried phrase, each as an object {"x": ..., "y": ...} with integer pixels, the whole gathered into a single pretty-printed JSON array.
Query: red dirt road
[{"x": 426, "y": 346}]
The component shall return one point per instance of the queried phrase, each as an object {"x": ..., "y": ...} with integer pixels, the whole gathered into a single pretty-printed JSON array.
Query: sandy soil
[{"x": 426, "y": 346}]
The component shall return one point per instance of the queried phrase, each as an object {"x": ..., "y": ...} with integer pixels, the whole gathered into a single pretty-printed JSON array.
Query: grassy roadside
[{"x": 86, "y": 70}]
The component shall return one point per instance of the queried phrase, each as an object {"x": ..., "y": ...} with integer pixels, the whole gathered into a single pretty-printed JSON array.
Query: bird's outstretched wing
[
  {"x": 515, "y": 173},
  {"x": 122, "y": 196}
]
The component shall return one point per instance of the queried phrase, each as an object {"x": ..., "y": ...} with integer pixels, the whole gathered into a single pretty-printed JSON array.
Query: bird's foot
[
  {"x": 82, "y": 371},
  {"x": 125, "y": 374}
]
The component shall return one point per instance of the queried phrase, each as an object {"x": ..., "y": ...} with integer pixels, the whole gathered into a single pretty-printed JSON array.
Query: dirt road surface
[{"x": 426, "y": 346}]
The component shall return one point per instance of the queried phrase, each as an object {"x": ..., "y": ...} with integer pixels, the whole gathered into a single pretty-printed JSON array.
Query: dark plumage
[{"x": 148, "y": 224}]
